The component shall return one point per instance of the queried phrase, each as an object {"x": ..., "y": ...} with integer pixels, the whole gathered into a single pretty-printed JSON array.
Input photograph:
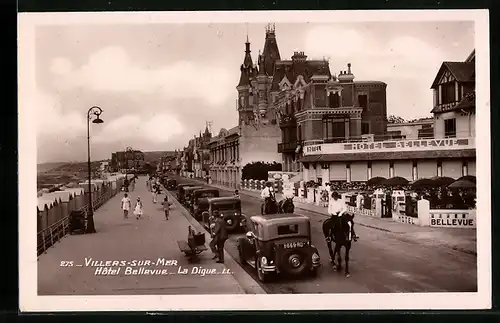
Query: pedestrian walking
[
  {"x": 132, "y": 185},
  {"x": 138, "y": 210},
  {"x": 221, "y": 237},
  {"x": 148, "y": 185},
  {"x": 166, "y": 207},
  {"x": 154, "y": 193},
  {"x": 126, "y": 205}
]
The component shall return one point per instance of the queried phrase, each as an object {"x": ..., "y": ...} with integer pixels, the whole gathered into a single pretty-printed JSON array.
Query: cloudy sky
[{"x": 159, "y": 83}]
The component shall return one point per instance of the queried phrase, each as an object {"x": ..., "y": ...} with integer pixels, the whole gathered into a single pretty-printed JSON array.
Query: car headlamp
[
  {"x": 315, "y": 257},
  {"x": 263, "y": 261}
]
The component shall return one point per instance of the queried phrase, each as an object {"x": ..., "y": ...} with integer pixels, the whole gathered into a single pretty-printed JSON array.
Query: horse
[
  {"x": 339, "y": 230},
  {"x": 286, "y": 205},
  {"x": 270, "y": 206}
]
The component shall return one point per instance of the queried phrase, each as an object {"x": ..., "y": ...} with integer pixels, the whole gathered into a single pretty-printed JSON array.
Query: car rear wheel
[{"x": 295, "y": 262}]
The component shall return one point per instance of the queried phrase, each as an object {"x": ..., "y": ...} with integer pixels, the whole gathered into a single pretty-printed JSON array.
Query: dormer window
[{"x": 448, "y": 93}]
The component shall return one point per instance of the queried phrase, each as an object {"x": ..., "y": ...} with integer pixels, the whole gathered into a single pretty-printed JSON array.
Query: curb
[{"x": 247, "y": 283}]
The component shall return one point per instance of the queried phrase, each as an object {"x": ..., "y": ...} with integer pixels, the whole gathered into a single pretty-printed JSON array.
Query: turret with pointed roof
[{"x": 271, "y": 53}]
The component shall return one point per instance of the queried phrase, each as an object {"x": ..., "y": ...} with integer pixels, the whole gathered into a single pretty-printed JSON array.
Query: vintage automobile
[
  {"x": 188, "y": 194},
  {"x": 200, "y": 201},
  {"x": 279, "y": 243},
  {"x": 171, "y": 184},
  {"x": 180, "y": 192},
  {"x": 229, "y": 208}
]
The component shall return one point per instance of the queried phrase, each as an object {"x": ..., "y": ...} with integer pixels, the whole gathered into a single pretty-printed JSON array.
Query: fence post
[{"x": 423, "y": 211}]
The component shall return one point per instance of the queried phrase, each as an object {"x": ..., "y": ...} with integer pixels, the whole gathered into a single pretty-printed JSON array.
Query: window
[
  {"x": 299, "y": 133},
  {"x": 334, "y": 129},
  {"x": 365, "y": 128},
  {"x": 450, "y": 128},
  {"x": 363, "y": 101},
  {"x": 334, "y": 100},
  {"x": 288, "y": 229},
  {"x": 448, "y": 92}
]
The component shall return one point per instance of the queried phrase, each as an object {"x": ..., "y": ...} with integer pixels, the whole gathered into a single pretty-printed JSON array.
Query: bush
[{"x": 259, "y": 170}]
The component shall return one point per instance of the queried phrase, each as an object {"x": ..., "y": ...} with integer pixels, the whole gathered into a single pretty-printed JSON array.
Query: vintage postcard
[{"x": 254, "y": 160}]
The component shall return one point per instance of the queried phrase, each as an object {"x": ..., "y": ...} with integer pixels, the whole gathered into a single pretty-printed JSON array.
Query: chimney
[{"x": 348, "y": 68}]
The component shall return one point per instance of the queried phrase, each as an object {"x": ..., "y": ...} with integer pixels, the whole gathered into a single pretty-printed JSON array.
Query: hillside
[{"x": 45, "y": 167}]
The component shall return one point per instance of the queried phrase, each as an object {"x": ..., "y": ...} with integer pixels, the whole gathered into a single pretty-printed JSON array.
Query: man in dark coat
[{"x": 221, "y": 236}]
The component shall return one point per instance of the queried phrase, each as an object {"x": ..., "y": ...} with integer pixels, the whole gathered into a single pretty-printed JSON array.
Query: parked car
[
  {"x": 279, "y": 243},
  {"x": 200, "y": 201},
  {"x": 188, "y": 195},
  {"x": 180, "y": 192},
  {"x": 229, "y": 208},
  {"x": 171, "y": 184}
]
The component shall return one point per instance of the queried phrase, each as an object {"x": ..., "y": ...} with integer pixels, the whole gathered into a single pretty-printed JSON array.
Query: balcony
[
  {"x": 287, "y": 147},
  {"x": 321, "y": 147},
  {"x": 288, "y": 121}
]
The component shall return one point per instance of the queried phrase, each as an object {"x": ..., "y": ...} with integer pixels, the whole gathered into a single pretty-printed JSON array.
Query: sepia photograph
[{"x": 254, "y": 161}]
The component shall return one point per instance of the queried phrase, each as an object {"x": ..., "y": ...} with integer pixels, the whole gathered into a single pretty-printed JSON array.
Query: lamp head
[{"x": 97, "y": 120}]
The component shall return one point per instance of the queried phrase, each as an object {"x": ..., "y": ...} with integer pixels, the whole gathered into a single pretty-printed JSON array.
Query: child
[
  {"x": 166, "y": 206},
  {"x": 138, "y": 211}
]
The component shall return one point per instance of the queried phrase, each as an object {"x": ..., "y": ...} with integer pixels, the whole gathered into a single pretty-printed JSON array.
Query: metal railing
[{"x": 46, "y": 238}]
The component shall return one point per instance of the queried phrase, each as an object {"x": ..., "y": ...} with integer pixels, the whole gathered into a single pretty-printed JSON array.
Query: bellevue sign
[{"x": 387, "y": 146}]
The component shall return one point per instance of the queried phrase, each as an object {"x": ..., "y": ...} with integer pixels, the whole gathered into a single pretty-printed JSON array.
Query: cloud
[
  {"x": 407, "y": 64},
  {"x": 112, "y": 70},
  {"x": 52, "y": 118},
  {"x": 61, "y": 66},
  {"x": 156, "y": 128}
]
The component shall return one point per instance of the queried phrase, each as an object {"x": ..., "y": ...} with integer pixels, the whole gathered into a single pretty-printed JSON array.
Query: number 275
[{"x": 66, "y": 264}]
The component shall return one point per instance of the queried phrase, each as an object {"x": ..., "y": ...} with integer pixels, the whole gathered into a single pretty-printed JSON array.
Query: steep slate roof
[
  {"x": 271, "y": 53},
  {"x": 463, "y": 72},
  {"x": 292, "y": 70}
]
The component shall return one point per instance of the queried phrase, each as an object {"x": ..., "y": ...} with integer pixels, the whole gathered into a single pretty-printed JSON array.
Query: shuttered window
[
  {"x": 359, "y": 171},
  {"x": 452, "y": 168},
  {"x": 404, "y": 168},
  {"x": 337, "y": 172},
  {"x": 471, "y": 168},
  {"x": 380, "y": 169},
  {"x": 426, "y": 169}
]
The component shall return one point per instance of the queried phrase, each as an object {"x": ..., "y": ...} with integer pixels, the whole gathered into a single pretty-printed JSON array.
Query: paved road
[{"x": 381, "y": 262}]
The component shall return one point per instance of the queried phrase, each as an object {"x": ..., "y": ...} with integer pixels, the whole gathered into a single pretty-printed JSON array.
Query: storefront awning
[{"x": 393, "y": 155}]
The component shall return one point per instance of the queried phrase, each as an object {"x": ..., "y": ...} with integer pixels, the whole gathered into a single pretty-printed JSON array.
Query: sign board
[
  {"x": 407, "y": 219},
  {"x": 388, "y": 146},
  {"x": 453, "y": 219},
  {"x": 292, "y": 176}
]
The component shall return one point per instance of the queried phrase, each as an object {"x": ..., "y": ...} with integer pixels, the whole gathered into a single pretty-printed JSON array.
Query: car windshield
[
  {"x": 288, "y": 229},
  {"x": 206, "y": 194}
]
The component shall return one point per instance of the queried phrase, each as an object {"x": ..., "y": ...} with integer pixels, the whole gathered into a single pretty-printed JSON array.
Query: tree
[
  {"x": 395, "y": 119},
  {"x": 259, "y": 170}
]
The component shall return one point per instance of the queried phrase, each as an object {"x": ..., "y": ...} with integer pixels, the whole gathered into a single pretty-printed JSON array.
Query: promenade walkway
[
  {"x": 66, "y": 268},
  {"x": 463, "y": 240}
]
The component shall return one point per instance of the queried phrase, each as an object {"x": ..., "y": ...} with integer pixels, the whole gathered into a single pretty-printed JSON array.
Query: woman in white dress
[{"x": 138, "y": 210}]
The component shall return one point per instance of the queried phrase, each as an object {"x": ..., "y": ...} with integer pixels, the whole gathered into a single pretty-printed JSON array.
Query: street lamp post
[{"x": 96, "y": 111}]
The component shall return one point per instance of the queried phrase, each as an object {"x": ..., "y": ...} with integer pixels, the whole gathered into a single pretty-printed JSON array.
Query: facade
[
  {"x": 318, "y": 107},
  {"x": 201, "y": 153},
  {"x": 451, "y": 152},
  {"x": 130, "y": 159},
  {"x": 257, "y": 134}
]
